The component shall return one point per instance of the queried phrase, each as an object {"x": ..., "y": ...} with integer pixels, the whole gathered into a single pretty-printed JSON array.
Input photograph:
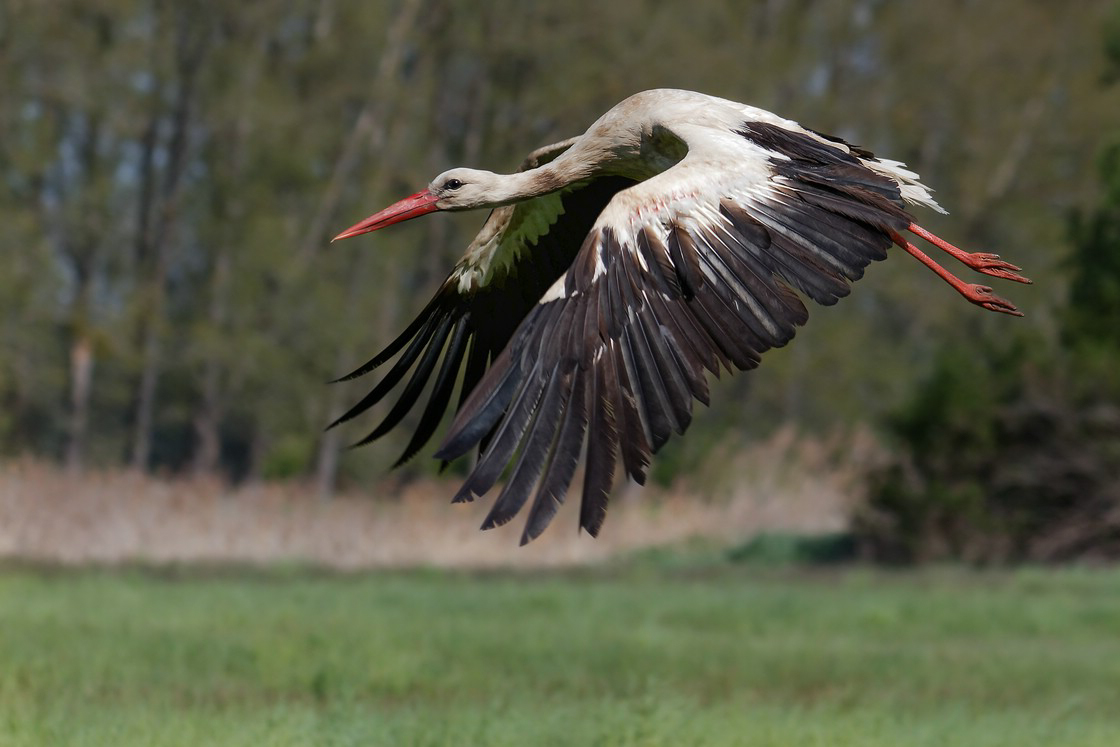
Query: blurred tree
[
  {"x": 169, "y": 106},
  {"x": 172, "y": 173},
  {"x": 1094, "y": 295},
  {"x": 369, "y": 130},
  {"x": 61, "y": 152},
  {"x": 1015, "y": 453}
]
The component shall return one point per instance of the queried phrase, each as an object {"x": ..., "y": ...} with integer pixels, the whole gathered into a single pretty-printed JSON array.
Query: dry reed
[{"x": 787, "y": 483}]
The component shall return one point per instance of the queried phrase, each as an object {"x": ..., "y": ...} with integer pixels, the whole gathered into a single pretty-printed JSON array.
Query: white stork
[{"x": 617, "y": 269}]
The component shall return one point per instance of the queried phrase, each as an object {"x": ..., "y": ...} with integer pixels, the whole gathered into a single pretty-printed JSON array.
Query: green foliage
[
  {"x": 712, "y": 656},
  {"x": 1112, "y": 47},
  {"x": 1094, "y": 294},
  {"x": 287, "y": 458},
  {"x": 776, "y": 548},
  {"x": 1014, "y": 453},
  {"x": 1004, "y": 459}
]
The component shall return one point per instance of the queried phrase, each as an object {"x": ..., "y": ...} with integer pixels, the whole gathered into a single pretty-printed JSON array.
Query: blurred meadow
[
  {"x": 700, "y": 651},
  {"x": 186, "y": 557}
]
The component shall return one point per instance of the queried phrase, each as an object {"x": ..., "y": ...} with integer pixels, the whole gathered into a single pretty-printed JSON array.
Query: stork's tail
[{"x": 909, "y": 184}]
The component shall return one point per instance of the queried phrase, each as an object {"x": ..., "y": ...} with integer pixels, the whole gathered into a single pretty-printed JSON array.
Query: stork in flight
[{"x": 617, "y": 269}]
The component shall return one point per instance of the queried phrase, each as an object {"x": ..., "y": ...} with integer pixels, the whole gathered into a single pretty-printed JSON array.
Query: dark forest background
[{"x": 172, "y": 173}]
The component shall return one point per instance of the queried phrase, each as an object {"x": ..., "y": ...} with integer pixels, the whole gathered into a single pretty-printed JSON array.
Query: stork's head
[{"x": 457, "y": 189}]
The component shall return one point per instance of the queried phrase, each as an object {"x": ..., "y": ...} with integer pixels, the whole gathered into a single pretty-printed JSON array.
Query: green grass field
[{"x": 647, "y": 654}]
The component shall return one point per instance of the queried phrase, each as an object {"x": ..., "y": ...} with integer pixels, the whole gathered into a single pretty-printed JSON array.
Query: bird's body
[{"x": 617, "y": 269}]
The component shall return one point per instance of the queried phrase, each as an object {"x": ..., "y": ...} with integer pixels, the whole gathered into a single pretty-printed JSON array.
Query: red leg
[
  {"x": 981, "y": 295},
  {"x": 989, "y": 264}
]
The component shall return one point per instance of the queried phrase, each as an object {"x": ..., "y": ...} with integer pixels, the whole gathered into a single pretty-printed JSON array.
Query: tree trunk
[
  {"x": 155, "y": 223},
  {"x": 146, "y": 393},
  {"x": 208, "y": 417},
  {"x": 80, "y": 248},
  {"x": 330, "y": 444},
  {"x": 370, "y": 127},
  {"x": 207, "y": 426},
  {"x": 81, "y": 381}
]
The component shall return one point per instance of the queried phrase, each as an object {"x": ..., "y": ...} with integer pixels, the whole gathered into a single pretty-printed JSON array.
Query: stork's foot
[
  {"x": 991, "y": 264},
  {"x": 982, "y": 296}
]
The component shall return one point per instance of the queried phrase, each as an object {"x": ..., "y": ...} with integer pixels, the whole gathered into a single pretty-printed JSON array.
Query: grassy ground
[{"x": 652, "y": 653}]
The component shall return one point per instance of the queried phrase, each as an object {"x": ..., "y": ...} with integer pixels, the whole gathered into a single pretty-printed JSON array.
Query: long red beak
[{"x": 416, "y": 205}]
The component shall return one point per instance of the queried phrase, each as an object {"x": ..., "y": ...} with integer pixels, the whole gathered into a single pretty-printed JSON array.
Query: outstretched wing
[
  {"x": 515, "y": 258},
  {"x": 682, "y": 274}
]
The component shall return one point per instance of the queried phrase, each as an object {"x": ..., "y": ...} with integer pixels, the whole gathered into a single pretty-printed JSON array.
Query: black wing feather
[
  {"x": 602, "y": 454},
  {"x": 562, "y": 462},
  {"x": 504, "y": 443},
  {"x": 415, "y": 385},
  {"x": 441, "y": 392},
  {"x": 420, "y": 339},
  {"x": 531, "y": 460},
  {"x": 485, "y": 319},
  {"x": 424, "y": 319}
]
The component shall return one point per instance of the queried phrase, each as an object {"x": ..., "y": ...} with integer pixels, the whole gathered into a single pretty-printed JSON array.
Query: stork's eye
[{"x": 452, "y": 184}]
